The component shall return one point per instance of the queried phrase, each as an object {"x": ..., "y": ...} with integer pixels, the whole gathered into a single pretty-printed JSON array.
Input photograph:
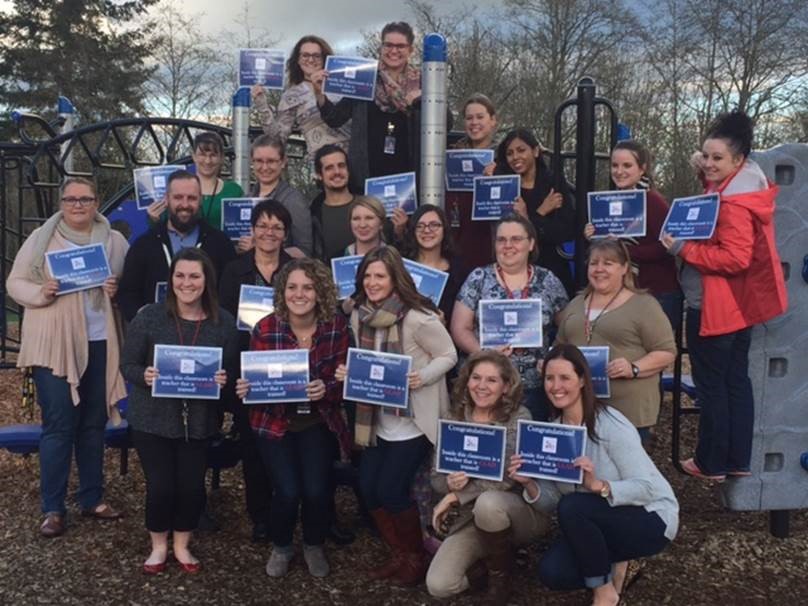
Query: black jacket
[{"x": 148, "y": 260}]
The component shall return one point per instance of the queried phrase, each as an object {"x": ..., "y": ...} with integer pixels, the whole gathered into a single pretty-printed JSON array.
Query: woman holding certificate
[
  {"x": 731, "y": 282},
  {"x": 546, "y": 204},
  {"x": 489, "y": 516},
  {"x": 612, "y": 312},
  {"x": 171, "y": 432},
  {"x": 71, "y": 339},
  {"x": 512, "y": 276},
  {"x": 622, "y": 509},
  {"x": 391, "y": 317},
  {"x": 293, "y": 439}
]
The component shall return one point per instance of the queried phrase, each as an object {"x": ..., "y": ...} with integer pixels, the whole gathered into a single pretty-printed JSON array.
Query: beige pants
[{"x": 493, "y": 511}]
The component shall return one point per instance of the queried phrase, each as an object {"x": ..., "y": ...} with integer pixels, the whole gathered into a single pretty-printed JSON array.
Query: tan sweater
[{"x": 54, "y": 334}]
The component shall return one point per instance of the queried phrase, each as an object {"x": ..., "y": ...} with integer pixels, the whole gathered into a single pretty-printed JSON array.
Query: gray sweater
[
  {"x": 163, "y": 416},
  {"x": 620, "y": 459}
]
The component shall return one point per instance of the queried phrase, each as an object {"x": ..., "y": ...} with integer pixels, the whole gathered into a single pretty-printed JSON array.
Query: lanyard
[
  {"x": 589, "y": 327},
  {"x": 525, "y": 289},
  {"x": 193, "y": 342}
]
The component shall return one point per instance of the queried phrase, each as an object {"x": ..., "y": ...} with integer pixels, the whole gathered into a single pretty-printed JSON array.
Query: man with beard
[
  {"x": 332, "y": 206},
  {"x": 149, "y": 257}
]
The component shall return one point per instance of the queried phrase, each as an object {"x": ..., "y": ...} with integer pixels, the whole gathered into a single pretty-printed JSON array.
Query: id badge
[
  {"x": 390, "y": 145},
  {"x": 304, "y": 409},
  {"x": 455, "y": 216}
]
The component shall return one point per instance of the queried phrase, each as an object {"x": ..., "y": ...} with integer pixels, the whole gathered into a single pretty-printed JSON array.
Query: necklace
[
  {"x": 525, "y": 289},
  {"x": 589, "y": 327}
]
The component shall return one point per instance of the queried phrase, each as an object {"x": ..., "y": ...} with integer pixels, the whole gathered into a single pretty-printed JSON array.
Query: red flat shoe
[
  {"x": 154, "y": 568},
  {"x": 690, "y": 468},
  {"x": 191, "y": 568}
]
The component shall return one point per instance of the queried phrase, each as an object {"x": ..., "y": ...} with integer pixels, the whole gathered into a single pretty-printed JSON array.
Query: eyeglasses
[
  {"x": 311, "y": 56},
  {"x": 271, "y": 162},
  {"x": 275, "y": 229},
  {"x": 83, "y": 201},
  {"x": 433, "y": 226},
  {"x": 394, "y": 46},
  {"x": 513, "y": 240}
]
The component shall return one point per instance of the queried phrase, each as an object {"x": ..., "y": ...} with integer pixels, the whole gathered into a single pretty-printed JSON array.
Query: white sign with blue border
[
  {"x": 160, "y": 292},
  {"x": 617, "y": 213},
  {"x": 462, "y": 165},
  {"x": 429, "y": 281},
  {"x": 79, "y": 268},
  {"x": 264, "y": 66},
  {"x": 344, "y": 271},
  {"x": 394, "y": 191},
  {"x": 478, "y": 450},
  {"x": 692, "y": 218},
  {"x": 254, "y": 303},
  {"x": 352, "y": 77},
  {"x": 494, "y": 197},
  {"x": 236, "y": 215},
  {"x": 187, "y": 372},
  {"x": 276, "y": 376},
  {"x": 513, "y": 322},
  {"x": 549, "y": 449},
  {"x": 376, "y": 377},
  {"x": 598, "y": 359},
  {"x": 151, "y": 183}
]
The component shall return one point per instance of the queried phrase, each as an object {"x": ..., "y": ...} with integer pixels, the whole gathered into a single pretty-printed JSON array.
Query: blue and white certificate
[
  {"x": 476, "y": 449},
  {"x": 353, "y": 77},
  {"x": 429, "y": 281},
  {"x": 394, "y": 191},
  {"x": 78, "y": 268},
  {"x": 264, "y": 66},
  {"x": 160, "y": 292},
  {"x": 378, "y": 378},
  {"x": 692, "y": 218},
  {"x": 494, "y": 197},
  {"x": 186, "y": 372},
  {"x": 254, "y": 303},
  {"x": 598, "y": 360},
  {"x": 151, "y": 183},
  {"x": 548, "y": 450},
  {"x": 344, "y": 271},
  {"x": 513, "y": 322},
  {"x": 617, "y": 213},
  {"x": 462, "y": 165},
  {"x": 276, "y": 376},
  {"x": 236, "y": 215}
]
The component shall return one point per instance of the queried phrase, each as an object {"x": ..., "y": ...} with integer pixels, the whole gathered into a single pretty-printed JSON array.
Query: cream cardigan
[{"x": 54, "y": 334}]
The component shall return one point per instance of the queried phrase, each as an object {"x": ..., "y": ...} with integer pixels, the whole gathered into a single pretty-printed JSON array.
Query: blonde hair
[
  {"x": 616, "y": 249},
  {"x": 372, "y": 204}
]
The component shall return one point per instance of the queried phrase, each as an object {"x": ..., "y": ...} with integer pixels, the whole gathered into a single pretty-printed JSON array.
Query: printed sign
[
  {"x": 617, "y": 213},
  {"x": 236, "y": 215},
  {"x": 549, "y": 449},
  {"x": 264, "y": 66},
  {"x": 598, "y": 360},
  {"x": 378, "y": 378},
  {"x": 151, "y": 183},
  {"x": 394, "y": 191},
  {"x": 692, "y": 218},
  {"x": 254, "y": 303},
  {"x": 160, "y": 292},
  {"x": 514, "y": 322},
  {"x": 78, "y": 268},
  {"x": 494, "y": 197},
  {"x": 429, "y": 281},
  {"x": 186, "y": 372},
  {"x": 462, "y": 165},
  {"x": 478, "y": 450},
  {"x": 276, "y": 376},
  {"x": 353, "y": 77},
  {"x": 344, "y": 271}
]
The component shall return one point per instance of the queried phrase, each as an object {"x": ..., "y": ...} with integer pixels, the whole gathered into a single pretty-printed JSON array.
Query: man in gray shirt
[{"x": 331, "y": 209}]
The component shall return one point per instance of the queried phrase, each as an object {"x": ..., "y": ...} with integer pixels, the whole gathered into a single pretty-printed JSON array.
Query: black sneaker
[{"x": 260, "y": 533}]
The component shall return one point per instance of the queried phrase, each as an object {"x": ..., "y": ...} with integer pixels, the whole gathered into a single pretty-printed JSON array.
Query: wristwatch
[
  {"x": 605, "y": 491},
  {"x": 635, "y": 371}
]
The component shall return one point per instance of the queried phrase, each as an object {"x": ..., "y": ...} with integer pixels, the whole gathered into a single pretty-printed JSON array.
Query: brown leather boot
[
  {"x": 385, "y": 526},
  {"x": 499, "y": 561},
  {"x": 414, "y": 559}
]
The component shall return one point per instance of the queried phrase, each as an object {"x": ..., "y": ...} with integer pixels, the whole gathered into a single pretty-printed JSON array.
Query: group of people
[{"x": 624, "y": 508}]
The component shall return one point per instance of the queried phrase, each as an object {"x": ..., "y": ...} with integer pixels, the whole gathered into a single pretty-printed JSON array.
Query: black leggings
[{"x": 175, "y": 480}]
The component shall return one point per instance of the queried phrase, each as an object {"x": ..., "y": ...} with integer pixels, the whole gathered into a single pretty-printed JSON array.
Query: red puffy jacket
[{"x": 741, "y": 275}]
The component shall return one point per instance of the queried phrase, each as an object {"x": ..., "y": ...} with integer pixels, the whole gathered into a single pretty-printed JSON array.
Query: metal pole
[
  {"x": 584, "y": 169},
  {"x": 67, "y": 112},
  {"x": 241, "y": 137},
  {"x": 433, "y": 121}
]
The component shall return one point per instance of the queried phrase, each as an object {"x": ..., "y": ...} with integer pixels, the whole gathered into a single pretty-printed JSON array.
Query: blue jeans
[
  {"x": 387, "y": 470},
  {"x": 720, "y": 367},
  {"x": 671, "y": 303},
  {"x": 300, "y": 467},
  {"x": 596, "y": 535},
  {"x": 66, "y": 427}
]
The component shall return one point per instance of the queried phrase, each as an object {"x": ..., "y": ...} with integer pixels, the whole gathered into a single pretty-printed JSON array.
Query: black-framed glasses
[
  {"x": 394, "y": 46},
  {"x": 311, "y": 56},
  {"x": 431, "y": 226},
  {"x": 74, "y": 201}
]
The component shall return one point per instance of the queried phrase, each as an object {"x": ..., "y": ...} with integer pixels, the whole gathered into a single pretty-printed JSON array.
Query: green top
[{"x": 211, "y": 207}]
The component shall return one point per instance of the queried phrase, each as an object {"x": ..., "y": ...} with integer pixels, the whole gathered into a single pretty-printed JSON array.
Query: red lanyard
[
  {"x": 179, "y": 331},
  {"x": 508, "y": 292}
]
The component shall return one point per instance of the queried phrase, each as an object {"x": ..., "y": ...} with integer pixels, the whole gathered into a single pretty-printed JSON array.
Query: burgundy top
[{"x": 657, "y": 268}]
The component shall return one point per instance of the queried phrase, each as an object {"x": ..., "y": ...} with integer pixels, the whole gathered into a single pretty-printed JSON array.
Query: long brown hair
[
  {"x": 324, "y": 288},
  {"x": 210, "y": 297},
  {"x": 510, "y": 401},
  {"x": 293, "y": 63},
  {"x": 403, "y": 286},
  {"x": 591, "y": 405}
]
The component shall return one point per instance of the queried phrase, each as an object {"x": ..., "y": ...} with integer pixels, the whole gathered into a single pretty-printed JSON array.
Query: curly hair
[
  {"x": 324, "y": 288},
  {"x": 510, "y": 401}
]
